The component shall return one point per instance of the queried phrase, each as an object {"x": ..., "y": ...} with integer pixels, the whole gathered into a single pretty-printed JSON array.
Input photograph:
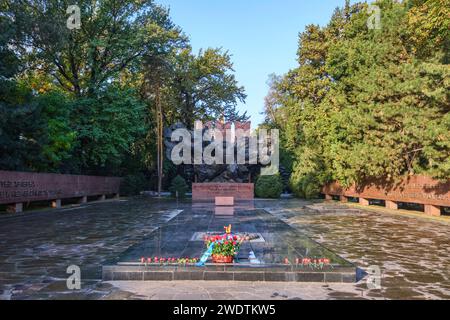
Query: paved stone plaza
[{"x": 37, "y": 247}]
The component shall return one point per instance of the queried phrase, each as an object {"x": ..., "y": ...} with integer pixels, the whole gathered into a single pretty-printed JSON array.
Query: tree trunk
[{"x": 159, "y": 127}]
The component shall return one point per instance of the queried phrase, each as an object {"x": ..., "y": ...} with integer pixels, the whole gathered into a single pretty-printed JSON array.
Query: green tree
[
  {"x": 114, "y": 36},
  {"x": 366, "y": 104},
  {"x": 22, "y": 131},
  {"x": 178, "y": 187},
  {"x": 182, "y": 87},
  {"x": 204, "y": 87},
  {"x": 89, "y": 100},
  {"x": 429, "y": 28},
  {"x": 107, "y": 129},
  {"x": 61, "y": 138}
]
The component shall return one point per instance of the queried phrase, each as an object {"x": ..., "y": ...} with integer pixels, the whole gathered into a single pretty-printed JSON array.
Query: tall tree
[
  {"x": 368, "y": 104},
  {"x": 158, "y": 70},
  {"x": 113, "y": 35},
  {"x": 19, "y": 122},
  {"x": 205, "y": 88}
]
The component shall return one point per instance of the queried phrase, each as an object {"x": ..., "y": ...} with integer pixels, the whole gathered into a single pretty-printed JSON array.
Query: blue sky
[{"x": 261, "y": 36}]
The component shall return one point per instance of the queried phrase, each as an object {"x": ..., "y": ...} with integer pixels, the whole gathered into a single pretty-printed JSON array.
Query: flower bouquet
[{"x": 224, "y": 247}]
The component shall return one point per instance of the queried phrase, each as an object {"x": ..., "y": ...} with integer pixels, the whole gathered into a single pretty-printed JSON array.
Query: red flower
[
  {"x": 226, "y": 242},
  {"x": 326, "y": 261},
  {"x": 286, "y": 261},
  {"x": 149, "y": 260},
  {"x": 234, "y": 243},
  {"x": 235, "y": 238}
]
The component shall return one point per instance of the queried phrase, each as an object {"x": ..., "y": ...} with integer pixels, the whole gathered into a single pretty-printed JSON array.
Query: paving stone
[{"x": 412, "y": 253}]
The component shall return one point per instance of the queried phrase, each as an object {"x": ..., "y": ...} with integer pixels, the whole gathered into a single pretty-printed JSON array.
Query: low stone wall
[
  {"x": 17, "y": 188},
  {"x": 209, "y": 191},
  {"x": 433, "y": 194}
]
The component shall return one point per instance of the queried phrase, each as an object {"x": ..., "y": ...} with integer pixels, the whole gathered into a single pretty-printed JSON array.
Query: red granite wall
[
  {"x": 414, "y": 189},
  {"x": 18, "y": 187},
  {"x": 209, "y": 191}
]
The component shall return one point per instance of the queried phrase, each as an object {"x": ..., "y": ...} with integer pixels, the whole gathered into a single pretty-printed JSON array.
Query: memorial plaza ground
[{"x": 36, "y": 248}]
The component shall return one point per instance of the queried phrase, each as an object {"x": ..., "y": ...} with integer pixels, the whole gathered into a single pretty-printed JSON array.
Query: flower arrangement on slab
[{"x": 224, "y": 247}]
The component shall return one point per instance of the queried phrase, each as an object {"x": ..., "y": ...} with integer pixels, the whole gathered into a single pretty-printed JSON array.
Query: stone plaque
[{"x": 224, "y": 201}]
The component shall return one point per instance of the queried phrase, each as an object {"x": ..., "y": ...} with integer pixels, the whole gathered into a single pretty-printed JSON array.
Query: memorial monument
[{"x": 224, "y": 178}]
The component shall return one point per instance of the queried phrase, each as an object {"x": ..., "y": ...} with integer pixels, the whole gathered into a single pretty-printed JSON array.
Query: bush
[
  {"x": 178, "y": 184},
  {"x": 306, "y": 186},
  {"x": 269, "y": 187},
  {"x": 133, "y": 184}
]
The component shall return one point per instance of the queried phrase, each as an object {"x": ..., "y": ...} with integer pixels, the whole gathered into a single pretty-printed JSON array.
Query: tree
[
  {"x": 114, "y": 35},
  {"x": 89, "y": 100},
  {"x": 21, "y": 129},
  {"x": 107, "y": 130},
  {"x": 178, "y": 187},
  {"x": 429, "y": 28},
  {"x": 366, "y": 104},
  {"x": 204, "y": 87},
  {"x": 182, "y": 87}
]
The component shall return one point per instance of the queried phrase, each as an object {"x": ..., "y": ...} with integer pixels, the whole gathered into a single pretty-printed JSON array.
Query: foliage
[
  {"x": 61, "y": 137},
  {"x": 366, "y": 104},
  {"x": 133, "y": 184},
  {"x": 203, "y": 88},
  {"x": 269, "y": 186},
  {"x": 114, "y": 35},
  {"x": 12, "y": 148},
  {"x": 85, "y": 100},
  {"x": 429, "y": 27},
  {"x": 22, "y": 130},
  {"x": 107, "y": 127},
  {"x": 179, "y": 186}
]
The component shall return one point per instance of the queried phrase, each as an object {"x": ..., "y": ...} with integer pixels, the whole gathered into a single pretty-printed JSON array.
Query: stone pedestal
[
  {"x": 343, "y": 199},
  {"x": 15, "y": 208},
  {"x": 56, "y": 204},
  {"x": 364, "y": 202},
  {"x": 432, "y": 210},
  {"x": 391, "y": 205},
  {"x": 328, "y": 197}
]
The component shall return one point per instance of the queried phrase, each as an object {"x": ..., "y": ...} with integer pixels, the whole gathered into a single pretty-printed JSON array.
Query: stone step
[{"x": 231, "y": 272}]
